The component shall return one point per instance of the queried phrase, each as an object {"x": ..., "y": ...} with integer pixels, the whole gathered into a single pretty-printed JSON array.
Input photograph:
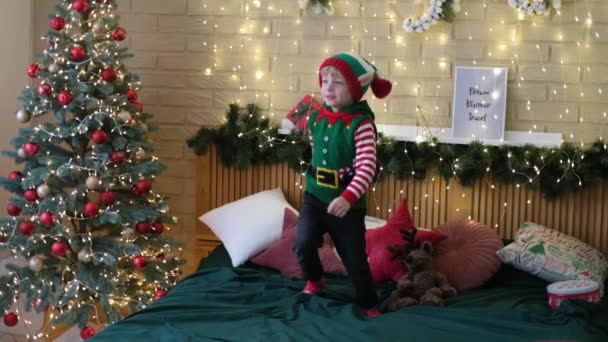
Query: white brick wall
[{"x": 197, "y": 56}]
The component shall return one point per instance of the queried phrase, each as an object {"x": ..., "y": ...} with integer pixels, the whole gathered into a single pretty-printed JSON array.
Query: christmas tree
[{"x": 83, "y": 214}]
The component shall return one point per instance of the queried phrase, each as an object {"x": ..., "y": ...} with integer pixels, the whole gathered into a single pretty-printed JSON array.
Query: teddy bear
[{"x": 420, "y": 285}]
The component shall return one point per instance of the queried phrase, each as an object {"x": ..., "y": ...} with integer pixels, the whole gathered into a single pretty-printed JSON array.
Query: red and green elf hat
[{"x": 359, "y": 74}]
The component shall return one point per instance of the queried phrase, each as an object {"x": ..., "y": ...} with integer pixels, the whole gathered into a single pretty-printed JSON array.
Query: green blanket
[{"x": 221, "y": 303}]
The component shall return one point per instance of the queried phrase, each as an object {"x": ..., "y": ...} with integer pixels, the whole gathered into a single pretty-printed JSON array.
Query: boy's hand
[{"x": 338, "y": 207}]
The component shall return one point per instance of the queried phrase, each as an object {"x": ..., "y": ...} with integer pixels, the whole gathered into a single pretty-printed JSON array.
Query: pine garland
[{"x": 246, "y": 138}]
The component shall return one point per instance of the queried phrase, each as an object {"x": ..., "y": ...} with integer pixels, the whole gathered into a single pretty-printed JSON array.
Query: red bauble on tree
[
  {"x": 32, "y": 70},
  {"x": 15, "y": 175},
  {"x": 119, "y": 34},
  {"x": 59, "y": 249},
  {"x": 11, "y": 319},
  {"x": 27, "y": 228},
  {"x": 108, "y": 75},
  {"x": 158, "y": 228},
  {"x": 132, "y": 95},
  {"x": 160, "y": 256},
  {"x": 99, "y": 137},
  {"x": 160, "y": 294},
  {"x": 57, "y": 23},
  {"x": 31, "y": 148},
  {"x": 108, "y": 198},
  {"x": 78, "y": 53},
  {"x": 143, "y": 227},
  {"x": 140, "y": 262},
  {"x": 47, "y": 219},
  {"x": 3, "y": 239},
  {"x": 118, "y": 157},
  {"x": 80, "y": 6},
  {"x": 13, "y": 210},
  {"x": 144, "y": 186},
  {"x": 91, "y": 209},
  {"x": 86, "y": 333},
  {"x": 30, "y": 195},
  {"x": 64, "y": 98},
  {"x": 45, "y": 89}
]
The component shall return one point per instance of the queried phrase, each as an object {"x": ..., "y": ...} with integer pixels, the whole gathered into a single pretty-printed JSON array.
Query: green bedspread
[{"x": 221, "y": 303}]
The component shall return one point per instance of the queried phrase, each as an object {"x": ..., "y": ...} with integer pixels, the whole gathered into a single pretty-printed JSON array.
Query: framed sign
[{"x": 480, "y": 102}]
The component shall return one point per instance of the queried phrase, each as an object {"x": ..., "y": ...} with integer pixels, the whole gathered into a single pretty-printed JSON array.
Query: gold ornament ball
[
  {"x": 93, "y": 183},
  {"x": 23, "y": 115},
  {"x": 140, "y": 154},
  {"x": 43, "y": 191},
  {"x": 99, "y": 27},
  {"x": 36, "y": 264}
]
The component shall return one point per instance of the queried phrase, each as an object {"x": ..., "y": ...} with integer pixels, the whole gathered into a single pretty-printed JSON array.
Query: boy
[{"x": 343, "y": 139}]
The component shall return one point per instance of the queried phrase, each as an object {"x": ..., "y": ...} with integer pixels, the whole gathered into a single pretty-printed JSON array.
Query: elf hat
[{"x": 359, "y": 75}]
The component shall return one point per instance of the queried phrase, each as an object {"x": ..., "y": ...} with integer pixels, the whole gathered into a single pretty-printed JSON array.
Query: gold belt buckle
[{"x": 323, "y": 173}]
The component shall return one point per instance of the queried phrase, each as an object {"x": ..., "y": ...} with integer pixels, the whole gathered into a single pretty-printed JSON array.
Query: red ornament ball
[
  {"x": 27, "y": 228},
  {"x": 78, "y": 53},
  {"x": 86, "y": 333},
  {"x": 13, "y": 210},
  {"x": 99, "y": 137},
  {"x": 108, "y": 75},
  {"x": 132, "y": 95},
  {"x": 32, "y": 70},
  {"x": 47, "y": 219},
  {"x": 140, "y": 262},
  {"x": 144, "y": 186},
  {"x": 11, "y": 319},
  {"x": 31, "y": 148},
  {"x": 30, "y": 195},
  {"x": 64, "y": 98},
  {"x": 3, "y": 239},
  {"x": 80, "y": 6},
  {"x": 91, "y": 209},
  {"x": 15, "y": 175},
  {"x": 108, "y": 198},
  {"x": 160, "y": 256},
  {"x": 143, "y": 227},
  {"x": 158, "y": 228},
  {"x": 59, "y": 248},
  {"x": 57, "y": 23},
  {"x": 160, "y": 294},
  {"x": 118, "y": 157},
  {"x": 44, "y": 89},
  {"x": 119, "y": 34}
]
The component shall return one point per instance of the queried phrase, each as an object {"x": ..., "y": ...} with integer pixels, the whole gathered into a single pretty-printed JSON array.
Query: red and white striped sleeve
[{"x": 365, "y": 162}]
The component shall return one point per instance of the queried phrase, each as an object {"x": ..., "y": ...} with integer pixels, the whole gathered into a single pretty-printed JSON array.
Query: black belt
[{"x": 330, "y": 178}]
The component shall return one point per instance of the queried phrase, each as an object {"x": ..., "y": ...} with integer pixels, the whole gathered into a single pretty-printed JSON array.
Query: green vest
[{"x": 333, "y": 135}]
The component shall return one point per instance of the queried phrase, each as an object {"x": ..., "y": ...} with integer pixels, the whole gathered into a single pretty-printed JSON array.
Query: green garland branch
[{"x": 247, "y": 138}]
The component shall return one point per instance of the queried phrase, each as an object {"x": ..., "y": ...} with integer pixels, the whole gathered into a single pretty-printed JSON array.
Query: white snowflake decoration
[
  {"x": 536, "y": 7},
  {"x": 434, "y": 13}
]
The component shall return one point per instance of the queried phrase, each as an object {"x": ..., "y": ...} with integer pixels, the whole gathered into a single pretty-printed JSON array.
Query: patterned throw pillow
[{"x": 554, "y": 256}]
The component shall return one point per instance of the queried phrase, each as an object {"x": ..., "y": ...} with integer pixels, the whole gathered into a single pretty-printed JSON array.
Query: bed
[{"x": 222, "y": 303}]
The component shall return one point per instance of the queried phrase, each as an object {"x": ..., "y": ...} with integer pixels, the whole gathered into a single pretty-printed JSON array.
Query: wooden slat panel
[{"x": 582, "y": 214}]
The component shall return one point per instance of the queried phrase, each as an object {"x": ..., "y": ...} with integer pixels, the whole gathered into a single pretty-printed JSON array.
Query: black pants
[{"x": 348, "y": 235}]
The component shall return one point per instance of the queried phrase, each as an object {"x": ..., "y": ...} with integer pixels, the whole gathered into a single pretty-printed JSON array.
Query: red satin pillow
[
  {"x": 468, "y": 256},
  {"x": 280, "y": 255},
  {"x": 377, "y": 240}
]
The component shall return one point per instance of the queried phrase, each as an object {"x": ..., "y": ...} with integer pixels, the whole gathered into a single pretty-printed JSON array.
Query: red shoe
[
  {"x": 373, "y": 312},
  {"x": 315, "y": 288}
]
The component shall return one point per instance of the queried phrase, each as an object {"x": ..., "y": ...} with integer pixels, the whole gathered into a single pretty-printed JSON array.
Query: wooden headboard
[{"x": 432, "y": 201}]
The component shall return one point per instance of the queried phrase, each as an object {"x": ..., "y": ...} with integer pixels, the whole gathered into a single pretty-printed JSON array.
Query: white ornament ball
[
  {"x": 36, "y": 264},
  {"x": 21, "y": 153},
  {"x": 170, "y": 257},
  {"x": 128, "y": 232},
  {"x": 23, "y": 115},
  {"x": 43, "y": 191},
  {"x": 54, "y": 68},
  {"x": 124, "y": 116},
  {"x": 84, "y": 256},
  {"x": 99, "y": 27},
  {"x": 93, "y": 183}
]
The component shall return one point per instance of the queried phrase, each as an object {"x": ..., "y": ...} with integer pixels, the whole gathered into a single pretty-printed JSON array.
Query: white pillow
[
  {"x": 373, "y": 222},
  {"x": 248, "y": 226}
]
